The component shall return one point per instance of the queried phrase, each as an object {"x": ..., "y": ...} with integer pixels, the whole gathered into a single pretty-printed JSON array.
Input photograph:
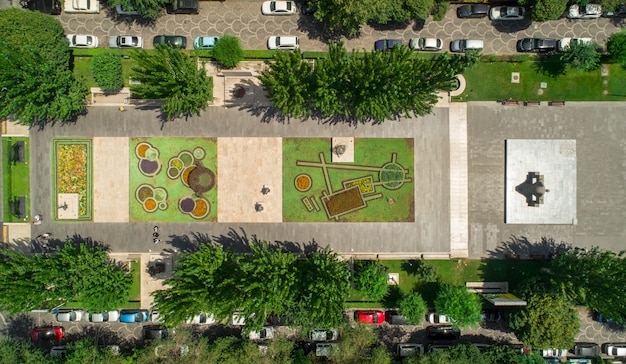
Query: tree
[
  {"x": 21, "y": 351},
  {"x": 548, "y": 321},
  {"x": 370, "y": 278},
  {"x": 594, "y": 278},
  {"x": 357, "y": 344},
  {"x": 107, "y": 70},
  {"x": 616, "y": 46},
  {"x": 228, "y": 51},
  {"x": 497, "y": 354},
  {"x": 584, "y": 56},
  {"x": 36, "y": 84},
  {"x": 542, "y": 10},
  {"x": 463, "y": 307},
  {"x": 148, "y": 9},
  {"x": 413, "y": 307},
  {"x": 23, "y": 283},
  {"x": 171, "y": 75}
]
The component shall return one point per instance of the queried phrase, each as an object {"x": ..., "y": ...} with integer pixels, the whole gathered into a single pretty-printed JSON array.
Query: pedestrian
[
  {"x": 156, "y": 240},
  {"x": 155, "y": 235},
  {"x": 156, "y": 229}
]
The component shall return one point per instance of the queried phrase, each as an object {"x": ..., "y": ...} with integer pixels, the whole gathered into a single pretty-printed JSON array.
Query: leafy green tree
[
  {"x": 21, "y": 351},
  {"x": 171, "y": 75},
  {"x": 616, "y": 46},
  {"x": 24, "y": 282},
  {"x": 228, "y": 51},
  {"x": 584, "y": 56},
  {"x": 497, "y": 354},
  {"x": 148, "y": 9},
  {"x": 413, "y": 307},
  {"x": 107, "y": 70},
  {"x": 542, "y": 10},
  {"x": 546, "y": 322},
  {"x": 370, "y": 278},
  {"x": 592, "y": 277},
  {"x": 463, "y": 307},
  {"x": 440, "y": 9},
  {"x": 358, "y": 345}
]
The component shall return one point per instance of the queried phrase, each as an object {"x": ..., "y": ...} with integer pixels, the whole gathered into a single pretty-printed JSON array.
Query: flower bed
[{"x": 73, "y": 172}]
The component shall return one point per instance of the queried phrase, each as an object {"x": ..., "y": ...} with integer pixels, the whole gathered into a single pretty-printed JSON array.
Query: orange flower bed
[
  {"x": 141, "y": 150},
  {"x": 303, "y": 182},
  {"x": 151, "y": 204},
  {"x": 201, "y": 208}
]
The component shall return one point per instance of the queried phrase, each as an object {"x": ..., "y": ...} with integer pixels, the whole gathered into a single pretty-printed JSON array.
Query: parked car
[
  {"x": 202, "y": 319},
  {"x": 369, "y": 316},
  {"x": 586, "y": 349},
  {"x": 324, "y": 335},
  {"x": 278, "y": 8},
  {"x": 536, "y": 45},
  {"x": 507, "y": 13},
  {"x": 615, "y": 349},
  {"x": 589, "y": 11},
  {"x": 205, "y": 42},
  {"x": 266, "y": 333},
  {"x": 151, "y": 332},
  {"x": 432, "y": 348},
  {"x": 407, "y": 349},
  {"x": 307, "y": 9},
  {"x": 238, "y": 319},
  {"x": 103, "y": 316},
  {"x": 325, "y": 349},
  {"x": 490, "y": 316},
  {"x": 70, "y": 315},
  {"x": 564, "y": 43},
  {"x": 52, "y": 7},
  {"x": 125, "y": 41},
  {"x": 134, "y": 316},
  {"x": 619, "y": 12},
  {"x": 163, "y": 351},
  {"x": 386, "y": 44},
  {"x": 82, "y": 41},
  {"x": 446, "y": 332},
  {"x": 47, "y": 333},
  {"x": 435, "y": 318},
  {"x": 126, "y": 10},
  {"x": 82, "y": 6},
  {"x": 287, "y": 43},
  {"x": 553, "y": 353},
  {"x": 58, "y": 351},
  {"x": 183, "y": 7},
  {"x": 176, "y": 41},
  {"x": 462, "y": 45},
  {"x": 472, "y": 11},
  {"x": 426, "y": 44}
]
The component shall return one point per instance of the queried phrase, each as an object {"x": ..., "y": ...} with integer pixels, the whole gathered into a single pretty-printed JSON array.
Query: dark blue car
[
  {"x": 132, "y": 316},
  {"x": 386, "y": 44}
]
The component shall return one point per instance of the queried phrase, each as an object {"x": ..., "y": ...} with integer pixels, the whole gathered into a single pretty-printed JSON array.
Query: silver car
[
  {"x": 125, "y": 41},
  {"x": 426, "y": 44},
  {"x": 70, "y": 315},
  {"x": 462, "y": 45},
  {"x": 109, "y": 316}
]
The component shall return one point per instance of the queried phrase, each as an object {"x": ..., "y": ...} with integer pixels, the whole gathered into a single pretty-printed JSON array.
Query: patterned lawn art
[
  {"x": 72, "y": 181},
  {"x": 173, "y": 179},
  {"x": 376, "y": 186}
]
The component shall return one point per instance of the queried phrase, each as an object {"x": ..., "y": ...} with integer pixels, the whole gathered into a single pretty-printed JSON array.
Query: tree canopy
[
  {"x": 148, "y": 9},
  {"x": 77, "y": 273},
  {"x": 361, "y": 86},
  {"x": 413, "y": 307},
  {"x": 462, "y": 306},
  {"x": 228, "y": 51},
  {"x": 584, "y": 56},
  {"x": 36, "y": 83},
  {"x": 542, "y": 10},
  {"x": 548, "y": 321},
  {"x": 370, "y": 278},
  {"x": 616, "y": 46},
  {"x": 171, "y": 75}
]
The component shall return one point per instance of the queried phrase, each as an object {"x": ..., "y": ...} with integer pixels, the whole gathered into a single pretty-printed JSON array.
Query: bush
[
  {"x": 546, "y": 9},
  {"x": 228, "y": 51},
  {"x": 616, "y": 46},
  {"x": 107, "y": 71},
  {"x": 424, "y": 271},
  {"x": 439, "y": 10},
  {"x": 413, "y": 307},
  {"x": 370, "y": 278},
  {"x": 463, "y": 307},
  {"x": 582, "y": 56}
]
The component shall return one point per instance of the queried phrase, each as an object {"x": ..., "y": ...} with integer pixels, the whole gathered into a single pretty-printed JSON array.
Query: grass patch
[
  {"x": 492, "y": 81},
  {"x": 82, "y": 69},
  {"x": 15, "y": 178},
  {"x": 135, "y": 289}
]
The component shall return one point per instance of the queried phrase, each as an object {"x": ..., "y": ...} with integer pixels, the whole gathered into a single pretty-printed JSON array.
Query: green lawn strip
[
  {"x": 489, "y": 81},
  {"x": 135, "y": 289},
  {"x": 15, "y": 178}
]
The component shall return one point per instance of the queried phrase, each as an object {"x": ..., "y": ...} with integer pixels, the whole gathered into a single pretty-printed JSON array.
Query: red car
[
  {"x": 369, "y": 317},
  {"x": 47, "y": 333}
]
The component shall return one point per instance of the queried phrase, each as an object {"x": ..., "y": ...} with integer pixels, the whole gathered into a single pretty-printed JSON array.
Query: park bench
[
  {"x": 487, "y": 287},
  {"x": 20, "y": 207},
  {"x": 557, "y": 103},
  {"x": 532, "y": 103},
  {"x": 18, "y": 152},
  {"x": 510, "y": 102}
]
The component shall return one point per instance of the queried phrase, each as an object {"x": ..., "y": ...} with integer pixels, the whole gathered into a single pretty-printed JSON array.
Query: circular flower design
[{"x": 303, "y": 182}]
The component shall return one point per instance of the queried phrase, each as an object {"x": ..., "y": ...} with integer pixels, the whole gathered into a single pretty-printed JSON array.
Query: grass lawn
[
  {"x": 369, "y": 152},
  {"x": 455, "y": 272},
  {"x": 82, "y": 68},
  {"x": 135, "y": 289},
  {"x": 491, "y": 81},
  {"x": 15, "y": 179}
]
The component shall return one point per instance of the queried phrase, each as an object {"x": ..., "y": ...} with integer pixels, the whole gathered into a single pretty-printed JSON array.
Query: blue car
[
  {"x": 132, "y": 316},
  {"x": 205, "y": 42},
  {"x": 386, "y": 44}
]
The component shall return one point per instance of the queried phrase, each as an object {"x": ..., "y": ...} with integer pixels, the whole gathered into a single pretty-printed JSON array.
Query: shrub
[
  {"x": 107, "y": 71},
  {"x": 616, "y": 46},
  {"x": 228, "y": 51},
  {"x": 425, "y": 271},
  {"x": 440, "y": 9},
  {"x": 370, "y": 278},
  {"x": 582, "y": 56},
  {"x": 463, "y": 307},
  {"x": 413, "y": 307}
]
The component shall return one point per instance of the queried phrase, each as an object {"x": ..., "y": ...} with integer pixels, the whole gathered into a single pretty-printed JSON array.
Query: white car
[
  {"x": 589, "y": 11},
  {"x": 265, "y": 333},
  {"x": 615, "y": 349},
  {"x": 435, "y": 318},
  {"x": 462, "y": 45},
  {"x": 506, "y": 13},
  {"x": 288, "y": 43},
  {"x": 82, "y": 6},
  {"x": 553, "y": 353},
  {"x": 278, "y": 8},
  {"x": 407, "y": 349},
  {"x": 82, "y": 41},
  {"x": 426, "y": 44},
  {"x": 104, "y": 316},
  {"x": 564, "y": 43},
  {"x": 202, "y": 319},
  {"x": 324, "y": 335},
  {"x": 325, "y": 349},
  {"x": 70, "y": 316},
  {"x": 125, "y": 41}
]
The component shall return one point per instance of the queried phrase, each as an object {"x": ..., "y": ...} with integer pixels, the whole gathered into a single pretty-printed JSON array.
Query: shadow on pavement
[
  {"x": 519, "y": 247},
  {"x": 19, "y": 326},
  {"x": 511, "y": 26}
]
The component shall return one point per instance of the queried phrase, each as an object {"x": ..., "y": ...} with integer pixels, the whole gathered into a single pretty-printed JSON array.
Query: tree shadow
[
  {"x": 520, "y": 247},
  {"x": 549, "y": 64},
  {"x": 19, "y": 326},
  {"x": 508, "y": 26},
  {"x": 390, "y": 26},
  {"x": 419, "y": 24},
  {"x": 392, "y": 297},
  {"x": 317, "y": 30},
  {"x": 100, "y": 335},
  {"x": 131, "y": 20}
]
